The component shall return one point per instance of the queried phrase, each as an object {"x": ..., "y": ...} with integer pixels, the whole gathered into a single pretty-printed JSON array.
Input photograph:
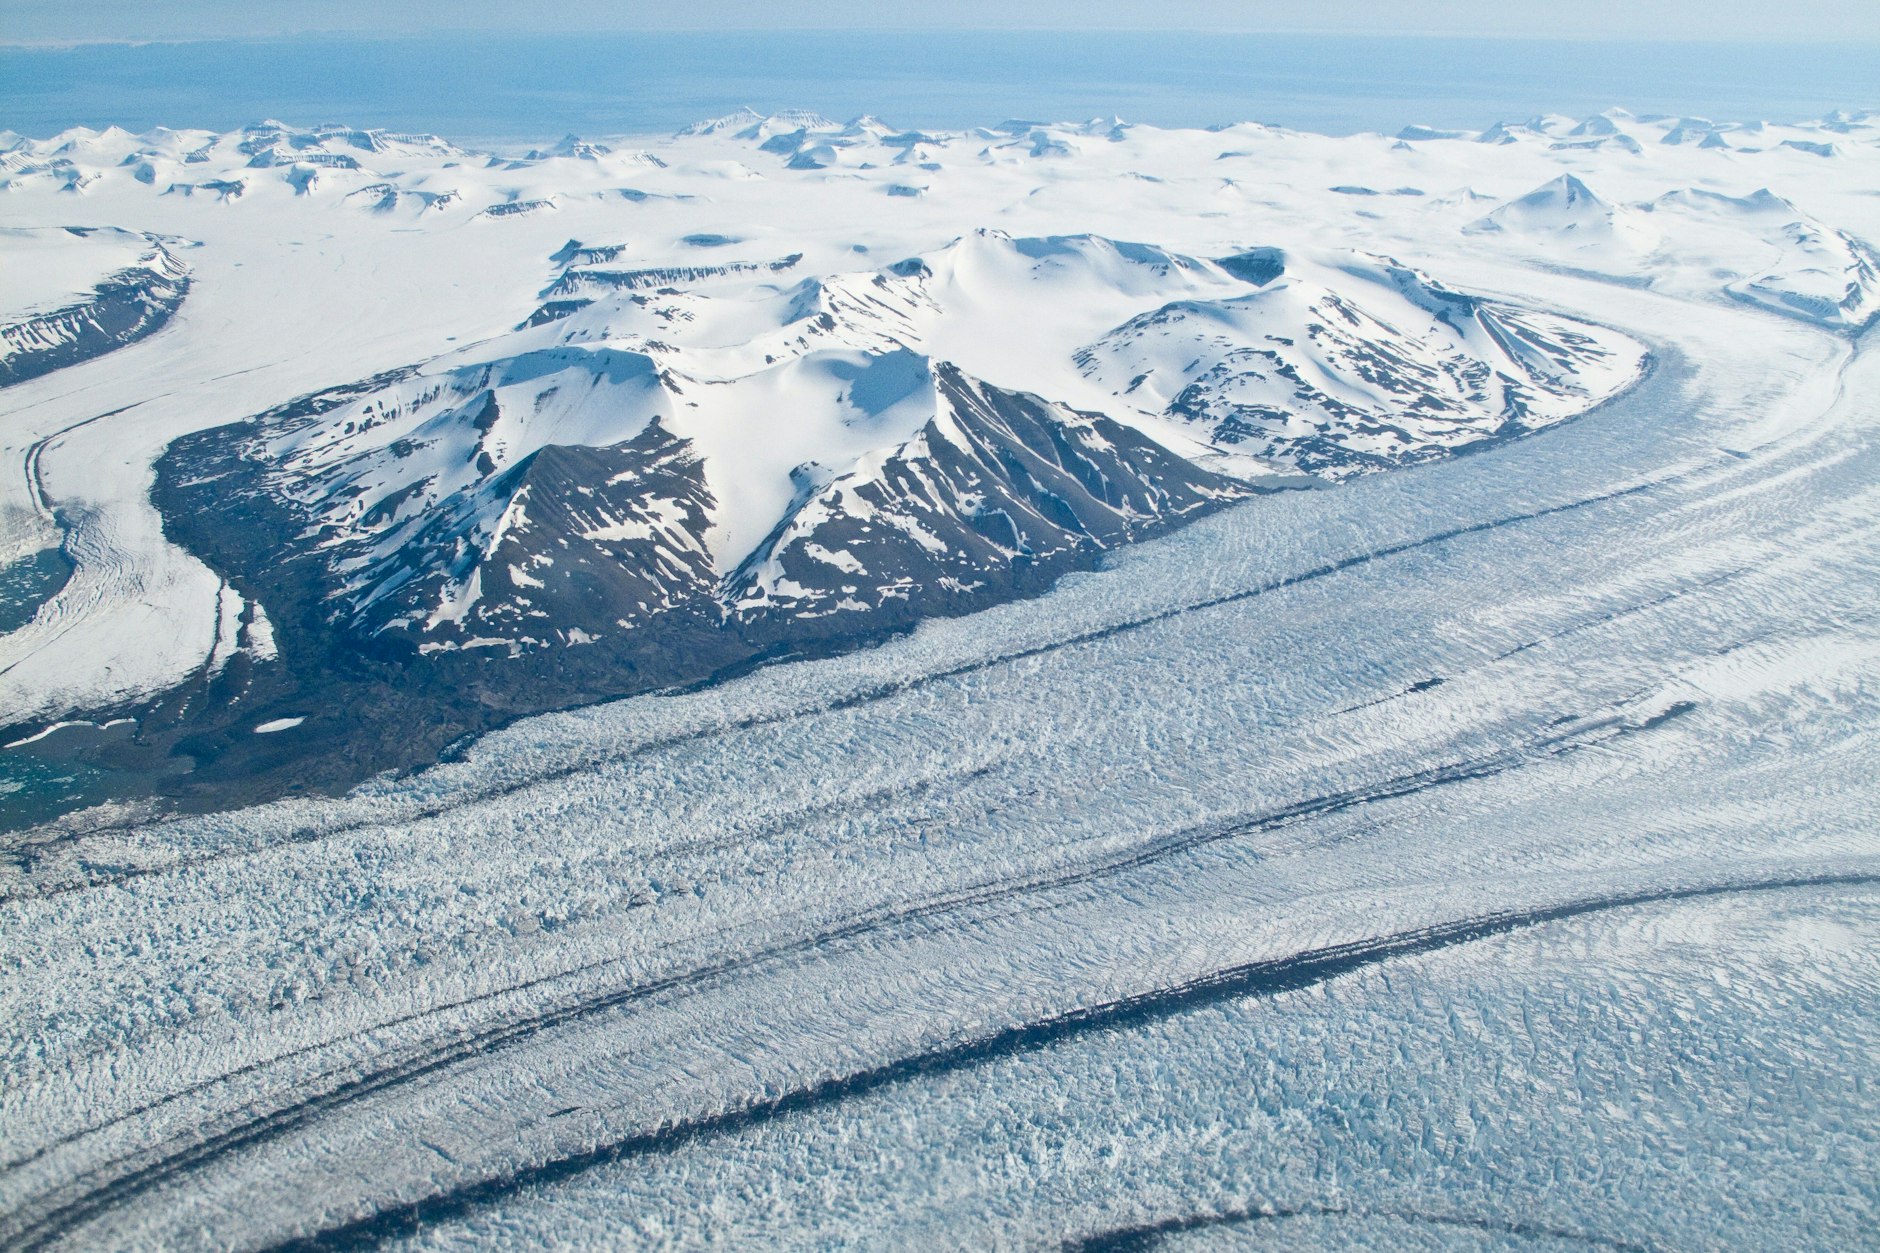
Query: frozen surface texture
[{"x": 1471, "y": 851}]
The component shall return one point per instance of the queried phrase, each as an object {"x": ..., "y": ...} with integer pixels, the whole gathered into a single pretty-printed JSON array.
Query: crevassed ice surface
[{"x": 1183, "y": 903}]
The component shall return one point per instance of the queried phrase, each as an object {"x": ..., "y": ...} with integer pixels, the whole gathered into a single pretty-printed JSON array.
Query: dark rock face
[
  {"x": 373, "y": 697},
  {"x": 999, "y": 494},
  {"x": 577, "y": 279},
  {"x": 122, "y": 309},
  {"x": 516, "y": 208},
  {"x": 587, "y": 542},
  {"x": 1258, "y": 266},
  {"x": 553, "y": 311}
]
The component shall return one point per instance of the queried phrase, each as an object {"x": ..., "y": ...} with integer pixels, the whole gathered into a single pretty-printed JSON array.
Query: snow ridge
[{"x": 120, "y": 307}]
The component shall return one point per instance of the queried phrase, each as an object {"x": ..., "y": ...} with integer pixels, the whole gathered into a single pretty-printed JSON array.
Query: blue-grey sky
[{"x": 35, "y": 21}]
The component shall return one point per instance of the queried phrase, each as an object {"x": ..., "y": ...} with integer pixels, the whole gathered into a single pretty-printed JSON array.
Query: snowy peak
[
  {"x": 727, "y": 124},
  {"x": 996, "y": 491},
  {"x": 1356, "y": 366},
  {"x": 1597, "y": 126},
  {"x": 1565, "y": 206},
  {"x": 748, "y": 123},
  {"x": 1760, "y": 204}
]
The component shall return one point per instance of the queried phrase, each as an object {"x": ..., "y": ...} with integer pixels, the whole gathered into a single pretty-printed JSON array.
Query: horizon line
[{"x": 74, "y": 44}]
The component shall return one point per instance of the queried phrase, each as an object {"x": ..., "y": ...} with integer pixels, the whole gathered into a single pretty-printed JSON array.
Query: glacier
[{"x": 1467, "y": 848}]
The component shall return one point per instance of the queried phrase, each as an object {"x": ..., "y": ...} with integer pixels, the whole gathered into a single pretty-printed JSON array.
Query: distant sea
[{"x": 515, "y": 89}]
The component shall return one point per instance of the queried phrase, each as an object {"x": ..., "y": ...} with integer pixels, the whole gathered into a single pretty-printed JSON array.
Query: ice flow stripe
[
  {"x": 160, "y": 1166},
  {"x": 1255, "y": 979},
  {"x": 882, "y": 691}
]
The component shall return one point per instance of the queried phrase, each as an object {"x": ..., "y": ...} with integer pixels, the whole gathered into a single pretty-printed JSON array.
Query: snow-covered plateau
[{"x": 1177, "y": 688}]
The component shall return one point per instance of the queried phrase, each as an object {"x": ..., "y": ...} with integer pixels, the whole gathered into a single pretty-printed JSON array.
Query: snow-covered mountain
[
  {"x": 1798, "y": 265},
  {"x": 1779, "y": 257},
  {"x": 1566, "y": 211},
  {"x": 1362, "y": 364},
  {"x": 848, "y": 453}
]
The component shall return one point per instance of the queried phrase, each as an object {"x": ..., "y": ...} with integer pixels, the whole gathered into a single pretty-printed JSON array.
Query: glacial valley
[{"x": 1097, "y": 684}]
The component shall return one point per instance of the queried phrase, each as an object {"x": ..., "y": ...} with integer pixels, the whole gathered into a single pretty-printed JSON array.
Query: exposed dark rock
[
  {"x": 597, "y": 582},
  {"x": 122, "y": 309},
  {"x": 996, "y": 497}
]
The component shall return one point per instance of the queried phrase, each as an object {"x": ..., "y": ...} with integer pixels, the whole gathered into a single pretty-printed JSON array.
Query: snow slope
[{"x": 49, "y": 269}]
